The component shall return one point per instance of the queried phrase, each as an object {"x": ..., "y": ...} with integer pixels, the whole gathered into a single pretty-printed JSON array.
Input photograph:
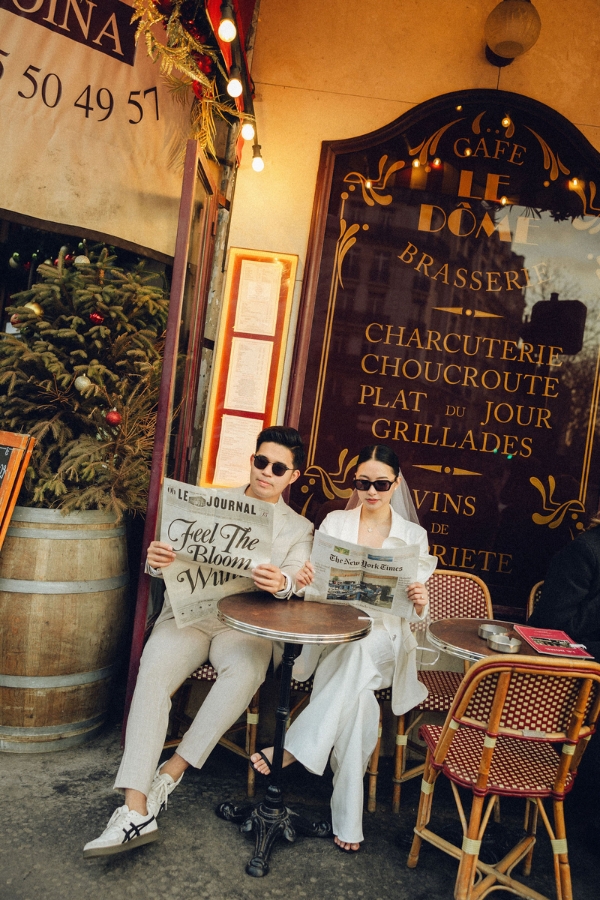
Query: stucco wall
[{"x": 327, "y": 71}]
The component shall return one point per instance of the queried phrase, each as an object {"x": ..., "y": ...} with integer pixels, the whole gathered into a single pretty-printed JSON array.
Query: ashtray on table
[
  {"x": 488, "y": 629},
  {"x": 502, "y": 643}
]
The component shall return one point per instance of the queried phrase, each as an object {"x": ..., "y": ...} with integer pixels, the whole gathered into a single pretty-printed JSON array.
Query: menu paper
[
  {"x": 258, "y": 297},
  {"x": 248, "y": 375},
  {"x": 219, "y": 537},
  {"x": 237, "y": 443},
  {"x": 371, "y": 579}
]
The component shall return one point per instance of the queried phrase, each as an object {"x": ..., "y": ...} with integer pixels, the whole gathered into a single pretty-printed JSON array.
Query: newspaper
[
  {"x": 371, "y": 579},
  {"x": 218, "y": 536}
]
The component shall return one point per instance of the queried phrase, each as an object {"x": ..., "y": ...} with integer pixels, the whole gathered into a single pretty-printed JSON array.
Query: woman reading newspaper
[{"x": 342, "y": 718}]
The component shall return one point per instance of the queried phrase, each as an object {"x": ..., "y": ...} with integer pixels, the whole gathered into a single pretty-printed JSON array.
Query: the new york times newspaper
[
  {"x": 372, "y": 579},
  {"x": 218, "y": 539}
]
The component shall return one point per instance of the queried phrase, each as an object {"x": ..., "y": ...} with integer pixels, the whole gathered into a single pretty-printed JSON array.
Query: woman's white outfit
[{"x": 342, "y": 717}]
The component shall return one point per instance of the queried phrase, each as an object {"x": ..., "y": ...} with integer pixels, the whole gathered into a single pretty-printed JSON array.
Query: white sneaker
[
  {"x": 126, "y": 829},
  {"x": 162, "y": 785}
]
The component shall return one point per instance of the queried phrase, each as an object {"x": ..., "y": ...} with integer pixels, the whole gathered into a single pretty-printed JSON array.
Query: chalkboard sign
[{"x": 15, "y": 451}]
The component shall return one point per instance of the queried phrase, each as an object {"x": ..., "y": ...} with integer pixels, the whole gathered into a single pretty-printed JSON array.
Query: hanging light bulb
[
  {"x": 234, "y": 85},
  {"x": 227, "y": 30},
  {"x": 248, "y": 131},
  {"x": 258, "y": 162}
]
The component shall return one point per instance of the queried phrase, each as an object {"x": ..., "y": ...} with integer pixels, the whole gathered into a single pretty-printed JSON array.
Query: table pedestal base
[{"x": 269, "y": 821}]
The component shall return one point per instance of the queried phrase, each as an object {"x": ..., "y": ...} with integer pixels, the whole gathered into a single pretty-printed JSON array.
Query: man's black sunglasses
[
  {"x": 278, "y": 468},
  {"x": 381, "y": 484}
]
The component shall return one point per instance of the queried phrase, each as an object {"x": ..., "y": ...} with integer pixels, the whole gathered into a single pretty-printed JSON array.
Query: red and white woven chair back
[
  {"x": 458, "y": 595},
  {"x": 530, "y": 698}
]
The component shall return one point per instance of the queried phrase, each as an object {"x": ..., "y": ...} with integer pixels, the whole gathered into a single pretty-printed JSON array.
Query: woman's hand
[
  {"x": 305, "y": 575},
  {"x": 417, "y": 592},
  {"x": 160, "y": 555},
  {"x": 268, "y": 577}
]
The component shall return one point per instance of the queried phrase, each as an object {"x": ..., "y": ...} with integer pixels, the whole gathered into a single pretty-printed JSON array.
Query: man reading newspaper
[{"x": 172, "y": 653}]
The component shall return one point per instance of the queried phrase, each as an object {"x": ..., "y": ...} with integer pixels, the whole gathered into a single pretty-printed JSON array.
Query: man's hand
[
  {"x": 417, "y": 592},
  {"x": 305, "y": 575},
  {"x": 160, "y": 555},
  {"x": 268, "y": 577}
]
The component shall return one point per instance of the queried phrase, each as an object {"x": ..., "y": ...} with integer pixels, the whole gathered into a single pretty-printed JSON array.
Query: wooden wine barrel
[{"x": 63, "y": 610}]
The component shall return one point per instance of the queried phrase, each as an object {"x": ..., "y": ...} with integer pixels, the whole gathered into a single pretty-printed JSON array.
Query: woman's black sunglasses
[
  {"x": 381, "y": 484},
  {"x": 278, "y": 468}
]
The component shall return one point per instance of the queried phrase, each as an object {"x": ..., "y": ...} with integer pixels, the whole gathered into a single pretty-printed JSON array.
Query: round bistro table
[
  {"x": 293, "y": 622},
  {"x": 459, "y": 638}
]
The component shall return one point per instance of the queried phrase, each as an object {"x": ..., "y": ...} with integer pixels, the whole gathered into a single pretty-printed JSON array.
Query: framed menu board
[
  {"x": 15, "y": 451},
  {"x": 247, "y": 372}
]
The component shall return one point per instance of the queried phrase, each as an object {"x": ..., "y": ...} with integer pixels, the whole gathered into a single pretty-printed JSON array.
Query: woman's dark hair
[
  {"x": 382, "y": 454},
  {"x": 287, "y": 437}
]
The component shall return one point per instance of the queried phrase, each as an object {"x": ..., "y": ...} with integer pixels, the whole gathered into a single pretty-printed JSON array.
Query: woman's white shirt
[{"x": 407, "y": 690}]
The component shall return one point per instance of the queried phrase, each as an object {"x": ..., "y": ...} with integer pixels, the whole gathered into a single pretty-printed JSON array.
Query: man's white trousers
[{"x": 170, "y": 655}]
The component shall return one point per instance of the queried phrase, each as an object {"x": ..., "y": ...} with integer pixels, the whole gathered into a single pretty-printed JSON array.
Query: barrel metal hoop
[
  {"x": 52, "y": 745},
  {"x": 55, "y": 516},
  {"x": 54, "y": 534},
  {"x": 35, "y": 682},
  {"x": 18, "y": 730},
  {"x": 17, "y": 586}
]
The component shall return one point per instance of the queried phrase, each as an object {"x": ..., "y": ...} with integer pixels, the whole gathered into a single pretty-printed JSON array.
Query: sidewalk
[{"x": 53, "y": 803}]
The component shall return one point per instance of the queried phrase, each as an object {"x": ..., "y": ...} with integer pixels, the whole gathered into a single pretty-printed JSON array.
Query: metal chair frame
[{"x": 530, "y": 703}]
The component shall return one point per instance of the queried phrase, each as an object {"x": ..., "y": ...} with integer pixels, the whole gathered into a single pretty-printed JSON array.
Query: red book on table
[{"x": 552, "y": 642}]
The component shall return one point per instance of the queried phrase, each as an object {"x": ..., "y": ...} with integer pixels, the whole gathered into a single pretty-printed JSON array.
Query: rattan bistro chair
[{"x": 518, "y": 727}]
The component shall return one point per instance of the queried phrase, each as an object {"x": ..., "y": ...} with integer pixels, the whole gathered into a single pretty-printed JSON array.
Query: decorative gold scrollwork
[
  {"x": 556, "y": 511},
  {"x": 331, "y": 482},
  {"x": 552, "y": 160},
  {"x": 371, "y": 190},
  {"x": 428, "y": 147}
]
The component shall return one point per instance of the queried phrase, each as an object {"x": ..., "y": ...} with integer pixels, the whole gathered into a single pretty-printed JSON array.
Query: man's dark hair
[{"x": 287, "y": 437}]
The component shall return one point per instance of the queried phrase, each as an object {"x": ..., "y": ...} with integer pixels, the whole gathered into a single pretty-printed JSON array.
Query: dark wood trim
[
  {"x": 165, "y": 410},
  {"x": 100, "y": 237},
  {"x": 199, "y": 303}
]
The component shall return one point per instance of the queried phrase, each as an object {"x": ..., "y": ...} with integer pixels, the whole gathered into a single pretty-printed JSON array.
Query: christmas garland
[{"x": 188, "y": 51}]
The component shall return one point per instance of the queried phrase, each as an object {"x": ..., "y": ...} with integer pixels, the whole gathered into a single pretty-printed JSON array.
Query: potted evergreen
[{"x": 81, "y": 374}]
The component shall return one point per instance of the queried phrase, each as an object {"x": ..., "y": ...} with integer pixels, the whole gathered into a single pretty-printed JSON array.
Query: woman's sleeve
[{"x": 427, "y": 563}]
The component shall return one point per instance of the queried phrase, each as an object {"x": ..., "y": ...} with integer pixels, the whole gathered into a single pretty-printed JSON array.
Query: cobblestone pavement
[{"x": 53, "y": 803}]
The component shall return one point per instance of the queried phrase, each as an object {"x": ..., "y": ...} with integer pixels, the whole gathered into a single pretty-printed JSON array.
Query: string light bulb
[
  {"x": 227, "y": 30},
  {"x": 258, "y": 162},
  {"x": 574, "y": 182},
  {"x": 368, "y": 184},
  {"x": 437, "y": 163},
  {"x": 416, "y": 163},
  {"x": 248, "y": 131},
  {"x": 505, "y": 122},
  {"x": 503, "y": 200},
  {"x": 234, "y": 85}
]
